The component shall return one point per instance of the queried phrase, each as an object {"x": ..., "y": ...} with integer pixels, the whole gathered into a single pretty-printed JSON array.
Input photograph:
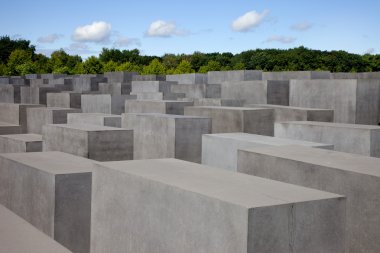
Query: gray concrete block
[
  {"x": 52, "y": 76},
  {"x": 220, "y": 150},
  {"x": 52, "y": 191},
  {"x": 64, "y": 100},
  {"x": 236, "y": 119},
  {"x": 7, "y": 128},
  {"x": 288, "y": 75},
  {"x": 351, "y": 138},
  {"x": 115, "y": 88},
  {"x": 151, "y": 86},
  {"x": 25, "y": 95},
  {"x": 4, "y": 80},
  {"x": 157, "y": 96},
  {"x": 16, "y": 114},
  {"x": 353, "y": 101},
  {"x": 17, "y": 235},
  {"x": 195, "y": 90},
  {"x": 96, "y": 103},
  {"x": 356, "y": 177},
  {"x": 149, "y": 78},
  {"x": 234, "y": 75},
  {"x": 98, "y": 143},
  {"x": 99, "y": 119},
  {"x": 167, "y": 136},
  {"x": 38, "y": 93},
  {"x": 18, "y": 143},
  {"x": 170, "y": 205},
  {"x": 38, "y": 117},
  {"x": 6, "y": 93},
  {"x": 156, "y": 106},
  {"x": 291, "y": 113},
  {"x": 87, "y": 83},
  {"x": 193, "y": 78},
  {"x": 219, "y": 102},
  {"x": 119, "y": 76}
]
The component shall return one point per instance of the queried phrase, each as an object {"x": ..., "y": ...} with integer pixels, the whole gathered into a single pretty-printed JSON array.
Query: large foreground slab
[
  {"x": 52, "y": 191},
  {"x": 351, "y": 138},
  {"x": 356, "y": 177},
  {"x": 220, "y": 150},
  {"x": 175, "y": 206}
]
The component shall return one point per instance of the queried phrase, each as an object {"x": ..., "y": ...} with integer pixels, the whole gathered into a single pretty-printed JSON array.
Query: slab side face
[{"x": 360, "y": 184}]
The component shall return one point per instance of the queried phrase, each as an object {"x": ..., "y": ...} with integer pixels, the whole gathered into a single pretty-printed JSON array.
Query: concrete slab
[
  {"x": 219, "y": 102},
  {"x": 98, "y": 143},
  {"x": 167, "y": 136},
  {"x": 234, "y": 75},
  {"x": 38, "y": 93},
  {"x": 291, "y": 113},
  {"x": 220, "y": 150},
  {"x": 196, "y": 90},
  {"x": 193, "y": 78},
  {"x": 99, "y": 119},
  {"x": 7, "y": 128},
  {"x": 38, "y": 117},
  {"x": 17, "y": 143},
  {"x": 96, "y": 103},
  {"x": 151, "y": 86},
  {"x": 52, "y": 191},
  {"x": 354, "y": 101},
  {"x": 157, "y": 96},
  {"x": 351, "y": 138},
  {"x": 149, "y": 78},
  {"x": 288, "y": 75},
  {"x": 17, "y": 236},
  {"x": 236, "y": 119},
  {"x": 356, "y": 177},
  {"x": 119, "y": 76},
  {"x": 6, "y": 93},
  {"x": 208, "y": 210},
  {"x": 115, "y": 88},
  {"x": 156, "y": 106},
  {"x": 64, "y": 100}
]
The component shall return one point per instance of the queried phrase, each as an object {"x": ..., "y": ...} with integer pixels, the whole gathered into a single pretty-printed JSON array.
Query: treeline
[{"x": 19, "y": 57}]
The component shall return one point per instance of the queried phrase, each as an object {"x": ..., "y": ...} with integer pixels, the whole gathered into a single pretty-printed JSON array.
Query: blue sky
[{"x": 162, "y": 26}]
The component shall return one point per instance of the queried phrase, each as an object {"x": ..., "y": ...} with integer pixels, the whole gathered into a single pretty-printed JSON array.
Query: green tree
[
  {"x": 92, "y": 66},
  {"x": 110, "y": 66},
  {"x": 183, "y": 68},
  {"x": 62, "y": 61},
  {"x": 211, "y": 66},
  {"x": 155, "y": 67},
  {"x": 8, "y": 45},
  {"x": 18, "y": 57},
  {"x": 130, "y": 67}
]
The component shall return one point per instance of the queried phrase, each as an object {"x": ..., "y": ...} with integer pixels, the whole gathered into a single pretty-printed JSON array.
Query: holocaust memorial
[{"x": 224, "y": 162}]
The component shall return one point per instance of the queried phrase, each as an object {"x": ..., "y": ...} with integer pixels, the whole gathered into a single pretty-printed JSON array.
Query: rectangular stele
[
  {"x": 220, "y": 150},
  {"x": 167, "y": 136},
  {"x": 173, "y": 206},
  {"x": 18, "y": 143},
  {"x": 99, "y": 143},
  {"x": 156, "y": 106},
  {"x": 236, "y": 119},
  {"x": 354, "y": 176},
  {"x": 100, "y": 119},
  {"x": 52, "y": 191}
]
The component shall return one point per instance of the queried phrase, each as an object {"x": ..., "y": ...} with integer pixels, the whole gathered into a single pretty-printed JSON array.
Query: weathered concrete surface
[
  {"x": 257, "y": 92},
  {"x": 118, "y": 103},
  {"x": 17, "y": 236},
  {"x": 17, "y": 143},
  {"x": 6, "y": 93},
  {"x": 151, "y": 86},
  {"x": 351, "y": 138},
  {"x": 38, "y": 117},
  {"x": 156, "y": 106},
  {"x": 193, "y": 78},
  {"x": 16, "y": 114},
  {"x": 360, "y": 75},
  {"x": 98, "y": 143},
  {"x": 64, "y": 100},
  {"x": 119, "y": 76},
  {"x": 291, "y": 113},
  {"x": 220, "y": 150},
  {"x": 157, "y": 96},
  {"x": 208, "y": 210},
  {"x": 234, "y": 75},
  {"x": 149, "y": 78},
  {"x": 236, "y": 119},
  {"x": 99, "y": 119},
  {"x": 25, "y": 95},
  {"x": 288, "y": 75},
  {"x": 353, "y": 101},
  {"x": 52, "y": 191},
  {"x": 356, "y": 177},
  {"x": 167, "y": 136},
  {"x": 96, "y": 103},
  {"x": 115, "y": 88},
  {"x": 7, "y": 128},
  {"x": 86, "y": 83},
  {"x": 219, "y": 102},
  {"x": 197, "y": 90},
  {"x": 38, "y": 93}
]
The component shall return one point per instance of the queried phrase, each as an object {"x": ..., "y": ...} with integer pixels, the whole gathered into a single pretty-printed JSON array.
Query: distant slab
[
  {"x": 17, "y": 143},
  {"x": 351, "y": 138},
  {"x": 147, "y": 203},
  {"x": 54, "y": 196},
  {"x": 288, "y": 75},
  {"x": 356, "y": 177},
  {"x": 233, "y": 75},
  {"x": 64, "y": 100},
  {"x": 220, "y": 150},
  {"x": 292, "y": 113},
  {"x": 156, "y": 106},
  {"x": 99, "y": 143},
  {"x": 99, "y": 119},
  {"x": 236, "y": 119}
]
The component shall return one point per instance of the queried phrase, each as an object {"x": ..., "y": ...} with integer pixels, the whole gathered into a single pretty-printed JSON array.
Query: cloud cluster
[
  {"x": 98, "y": 32},
  {"x": 162, "y": 28},
  {"x": 370, "y": 51},
  {"x": 51, "y": 38},
  {"x": 301, "y": 27},
  {"x": 249, "y": 21},
  {"x": 126, "y": 42},
  {"x": 281, "y": 39}
]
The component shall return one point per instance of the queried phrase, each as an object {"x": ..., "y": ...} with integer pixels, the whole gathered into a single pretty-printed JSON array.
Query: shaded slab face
[
  {"x": 140, "y": 206},
  {"x": 356, "y": 177},
  {"x": 20, "y": 143}
]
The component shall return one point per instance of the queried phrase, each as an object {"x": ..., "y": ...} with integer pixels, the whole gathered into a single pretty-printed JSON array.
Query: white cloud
[
  {"x": 98, "y": 32},
  {"x": 281, "y": 39},
  {"x": 51, "y": 38},
  {"x": 249, "y": 21},
  {"x": 303, "y": 26},
  {"x": 126, "y": 42},
  {"x": 370, "y": 51},
  {"x": 164, "y": 29}
]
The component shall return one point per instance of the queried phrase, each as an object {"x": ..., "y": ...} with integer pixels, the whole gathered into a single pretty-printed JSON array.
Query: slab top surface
[
  {"x": 289, "y": 107},
  {"x": 23, "y": 137},
  {"x": 330, "y": 124},
  {"x": 7, "y": 124},
  {"x": 230, "y": 108},
  {"x": 87, "y": 127},
  {"x": 236, "y": 188},
  {"x": 170, "y": 116}
]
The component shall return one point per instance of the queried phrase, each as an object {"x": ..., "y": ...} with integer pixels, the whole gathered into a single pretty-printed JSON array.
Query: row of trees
[{"x": 19, "y": 57}]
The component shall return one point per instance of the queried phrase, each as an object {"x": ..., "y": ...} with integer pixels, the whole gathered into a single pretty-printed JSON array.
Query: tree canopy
[{"x": 18, "y": 57}]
